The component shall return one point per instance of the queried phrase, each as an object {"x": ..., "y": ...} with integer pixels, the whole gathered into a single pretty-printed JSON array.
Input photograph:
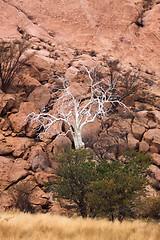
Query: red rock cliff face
[{"x": 126, "y": 29}]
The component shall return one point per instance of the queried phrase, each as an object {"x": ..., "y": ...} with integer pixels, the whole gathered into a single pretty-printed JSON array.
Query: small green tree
[
  {"x": 118, "y": 187},
  {"x": 75, "y": 172},
  {"x": 105, "y": 189}
]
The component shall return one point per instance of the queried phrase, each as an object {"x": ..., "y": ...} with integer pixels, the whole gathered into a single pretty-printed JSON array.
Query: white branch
[{"x": 77, "y": 113}]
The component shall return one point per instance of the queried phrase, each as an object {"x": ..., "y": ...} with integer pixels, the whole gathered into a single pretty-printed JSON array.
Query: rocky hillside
[{"x": 64, "y": 35}]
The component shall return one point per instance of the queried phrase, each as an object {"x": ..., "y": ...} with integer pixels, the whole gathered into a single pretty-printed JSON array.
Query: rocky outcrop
[
  {"x": 127, "y": 32},
  {"x": 15, "y": 179}
]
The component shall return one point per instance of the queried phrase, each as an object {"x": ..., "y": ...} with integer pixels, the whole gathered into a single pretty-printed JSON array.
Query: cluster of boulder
[{"x": 28, "y": 160}]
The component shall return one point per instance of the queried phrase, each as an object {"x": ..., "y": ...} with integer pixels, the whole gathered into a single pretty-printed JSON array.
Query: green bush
[
  {"x": 104, "y": 189},
  {"x": 117, "y": 189},
  {"x": 75, "y": 172}
]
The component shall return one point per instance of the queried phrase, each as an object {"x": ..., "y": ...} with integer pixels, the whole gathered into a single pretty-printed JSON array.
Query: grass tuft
[{"x": 16, "y": 226}]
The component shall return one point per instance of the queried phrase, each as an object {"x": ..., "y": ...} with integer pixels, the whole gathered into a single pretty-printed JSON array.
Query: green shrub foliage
[
  {"x": 117, "y": 189},
  {"x": 76, "y": 171},
  {"x": 103, "y": 189}
]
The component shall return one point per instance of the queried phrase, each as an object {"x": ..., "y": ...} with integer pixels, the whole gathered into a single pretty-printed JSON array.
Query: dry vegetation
[{"x": 15, "y": 226}]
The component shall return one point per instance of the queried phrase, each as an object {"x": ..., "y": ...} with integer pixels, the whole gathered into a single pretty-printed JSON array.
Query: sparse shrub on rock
[
  {"x": 20, "y": 194},
  {"x": 11, "y": 61}
]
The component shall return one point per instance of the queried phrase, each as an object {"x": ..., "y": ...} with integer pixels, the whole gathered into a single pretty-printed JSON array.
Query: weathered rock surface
[
  {"x": 128, "y": 31},
  {"x": 11, "y": 171},
  {"x": 19, "y": 120},
  {"x": 132, "y": 142},
  {"x": 42, "y": 177},
  {"x": 143, "y": 147},
  {"x": 38, "y": 159},
  {"x": 90, "y": 133},
  {"x": 152, "y": 137},
  {"x": 156, "y": 159},
  {"x": 60, "y": 143},
  {"x": 19, "y": 145},
  {"x": 29, "y": 83},
  {"x": 14, "y": 177},
  {"x": 138, "y": 130},
  {"x": 6, "y": 102},
  {"x": 51, "y": 133},
  {"x": 5, "y": 149},
  {"x": 40, "y": 96},
  {"x": 156, "y": 171}
]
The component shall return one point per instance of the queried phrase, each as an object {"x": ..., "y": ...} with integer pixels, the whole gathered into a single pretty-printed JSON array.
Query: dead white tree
[{"x": 76, "y": 110}]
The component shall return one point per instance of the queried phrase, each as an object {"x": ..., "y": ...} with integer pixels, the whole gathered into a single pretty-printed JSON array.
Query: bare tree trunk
[{"x": 78, "y": 140}]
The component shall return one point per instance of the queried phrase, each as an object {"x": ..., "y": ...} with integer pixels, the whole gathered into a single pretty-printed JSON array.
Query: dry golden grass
[{"x": 16, "y": 226}]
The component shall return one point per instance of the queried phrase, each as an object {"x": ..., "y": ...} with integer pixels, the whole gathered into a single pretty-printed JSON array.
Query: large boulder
[
  {"x": 27, "y": 108},
  {"x": 38, "y": 159},
  {"x": 5, "y": 149},
  {"x": 41, "y": 62},
  {"x": 36, "y": 196},
  {"x": 90, "y": 133},
  {"x": 6, "y": 102},
  {"x": 26, "y": 195},
  {"x": 156, "y": 172},
  {"x": 79, "y": 91},
  {"x": 141, "y": 119},
  {"x": 11, "y": 171},
  {"x": 19, "y": 120},
  {"x": 156, "y": 159},
  {"x": 133, "y": 143},
  {"x": 32, "y": 128},
  {"x": 51, "y": 132},
  {"x": 143, "y": 147},
  {"x": 43, "y": 177},
  {"x": 71, "y": 73},
  {"x": 84, "y": 60},
  {"x": 59, "y": 144},
  {"x": 19, "y": 145},
  {"x": 40, "y": 96},
  {"x": 138, "y": 130},
  {"x": 152, "y": 137},
  {"x": 29, "y": 83},
  {"x": 15, "y": 179}
]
